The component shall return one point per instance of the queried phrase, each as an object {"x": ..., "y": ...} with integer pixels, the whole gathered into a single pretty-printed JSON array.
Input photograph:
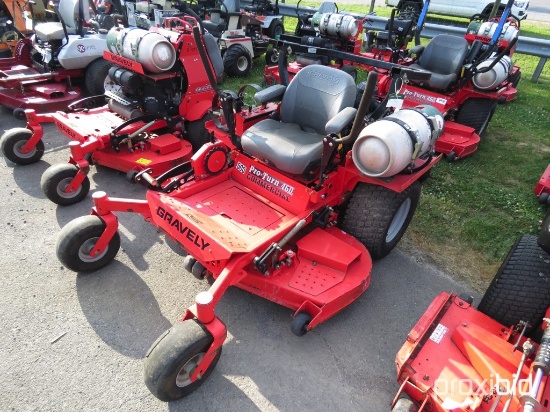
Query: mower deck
[
  {"x": 91, "y": 132},
  {"x": 242, "y": 212},
  {"x": 24, "y": 87},
  {"x": 459, "y": 357}
]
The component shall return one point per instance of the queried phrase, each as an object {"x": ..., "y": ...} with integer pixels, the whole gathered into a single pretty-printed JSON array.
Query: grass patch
[{"x": 471, "y": 211}]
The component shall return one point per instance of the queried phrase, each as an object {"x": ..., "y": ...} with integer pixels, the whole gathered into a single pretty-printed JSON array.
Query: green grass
[{"x": 472, "y": 210}]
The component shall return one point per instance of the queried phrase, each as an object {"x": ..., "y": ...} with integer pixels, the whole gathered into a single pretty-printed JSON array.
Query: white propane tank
[
  {"x": 335, "y": 24},
  {"x": 151, "y": 49},
  {"x": 494, "y": 77},
  {"x": 385, "y": 147},
  {"x": 487, "y": 29}
]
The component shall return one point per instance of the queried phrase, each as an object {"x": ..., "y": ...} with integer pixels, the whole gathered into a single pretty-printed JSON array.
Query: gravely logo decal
[
  {"x": 268, "y": 182},
  {"x": 194, "y": 238}
]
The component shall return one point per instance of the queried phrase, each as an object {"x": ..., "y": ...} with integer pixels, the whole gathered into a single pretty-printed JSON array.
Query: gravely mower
[
  {"x": 154, "y": 122},
  {"x": 470, "y": 76},
  {"x": 278, "y": 204},
  {"x": 43, "y": 72},
  {"x": 325, "y": 29},
  {"x": 457, "y": 358}
]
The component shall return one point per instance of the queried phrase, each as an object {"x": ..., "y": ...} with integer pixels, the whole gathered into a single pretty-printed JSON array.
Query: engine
[
  {"x": 150, "y": 93},
  {"x": 141, "y": 94}
]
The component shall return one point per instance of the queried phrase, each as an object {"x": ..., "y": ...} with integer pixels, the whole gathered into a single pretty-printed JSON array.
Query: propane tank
[
  {"x": 494, "y": 77},
  {"x": 340, "y": 25},
  {"x": 487, "y": 29},
  {"x": 386, "y": 147},
  {"x": 151, "y": 49}
]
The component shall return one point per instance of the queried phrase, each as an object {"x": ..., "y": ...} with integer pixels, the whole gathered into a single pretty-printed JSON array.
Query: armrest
[
  {"x": 341, "y": 120},
  {"x": 271, "y": 93},
  {"x": 418, "y": 49}
]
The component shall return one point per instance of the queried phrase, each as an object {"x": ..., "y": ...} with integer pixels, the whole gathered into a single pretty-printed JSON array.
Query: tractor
[
  {"x": 494, "y": 358},
  {"x": 154, "y": 121},
  {"x": 278, "y": 203}
]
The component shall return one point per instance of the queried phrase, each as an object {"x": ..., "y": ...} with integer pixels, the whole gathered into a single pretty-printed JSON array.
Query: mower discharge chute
[
  {"x": 274, "y": 205},
  {"x": 154, "y": 121},
  {"x": 490, "y": 359},
  {"x": 41, "y": 74}
]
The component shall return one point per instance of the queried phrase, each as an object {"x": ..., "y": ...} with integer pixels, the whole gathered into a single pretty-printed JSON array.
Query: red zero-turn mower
[
  {"x": 44, "y": 71},
  {"x": 542, "y": 189},
  {"x": 330, "y": 30},
  {"x": 458, "y": 358},
  {"x": 154, "y": 122},
  {"x": 468, "y": 80},
  {"x": 278, "y": 204}
]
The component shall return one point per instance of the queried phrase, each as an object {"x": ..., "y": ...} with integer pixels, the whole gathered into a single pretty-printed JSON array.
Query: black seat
[
  {"x": 316, "y": 95},
  {"x": 444, "y": 57}
]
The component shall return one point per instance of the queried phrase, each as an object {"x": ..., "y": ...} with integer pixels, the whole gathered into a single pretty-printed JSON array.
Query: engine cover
[{"x": 80, "y": 52}]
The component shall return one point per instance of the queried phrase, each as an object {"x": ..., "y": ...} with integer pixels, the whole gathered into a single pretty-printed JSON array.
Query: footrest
[{"x": 326, "y": 249}]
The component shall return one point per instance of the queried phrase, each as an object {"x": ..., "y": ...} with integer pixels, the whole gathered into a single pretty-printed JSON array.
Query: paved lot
[{"x": 106, "y": 321}]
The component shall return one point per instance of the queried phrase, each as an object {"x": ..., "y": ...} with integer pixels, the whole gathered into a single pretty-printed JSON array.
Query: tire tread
[{"x": 521, "y": 288}]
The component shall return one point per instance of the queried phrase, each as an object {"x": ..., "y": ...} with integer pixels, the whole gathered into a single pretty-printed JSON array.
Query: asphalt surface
[{"x": 73, "y": 342}]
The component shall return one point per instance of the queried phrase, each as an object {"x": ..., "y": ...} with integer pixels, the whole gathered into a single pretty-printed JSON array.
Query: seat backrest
[
  {"x": 68, "y": 10},
  {"x": 213, "y": 51},
  {"x": 444, "y": 54},
  {"x": 315, "y": 95},
  {"x": 328, "y": 7}
]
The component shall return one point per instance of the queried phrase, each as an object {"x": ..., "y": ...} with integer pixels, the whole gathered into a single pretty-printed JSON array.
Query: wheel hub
[
  {"x": 183, "y": 377},
  {"x": 62, "y": 189},
  {"x": 242, "y": 63},
  {"x": 84, "y": 253},
  {"x": 18, "y": 148}
]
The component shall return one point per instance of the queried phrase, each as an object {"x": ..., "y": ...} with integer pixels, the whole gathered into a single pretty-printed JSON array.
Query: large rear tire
[
  {"x": 351, "y": 70},
  {"x": 276, "y": 28},
  {"x": 379, "y": 217},
  {"x": 521, "y": 288},
  {"x": 174, "y": 357},
  {"x": 197, "y": 134},
  {"x": 237, "y": 61},
  {"x": 477, "y": 113},
  {"x": 97, "y": 78}
]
